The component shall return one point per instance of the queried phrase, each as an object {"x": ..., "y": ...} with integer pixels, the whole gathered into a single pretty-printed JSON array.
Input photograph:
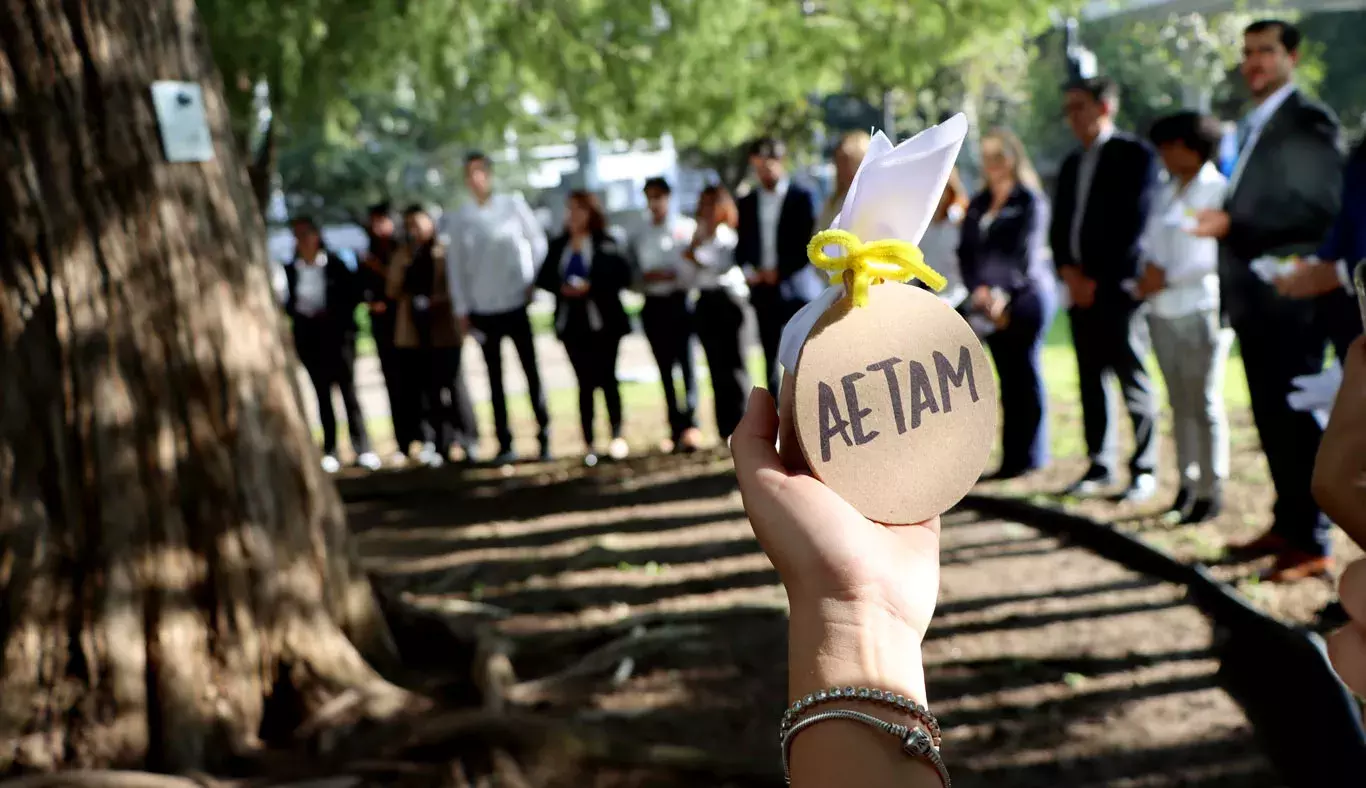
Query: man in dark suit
[
  {"x": 321, "y": 296},
  {"x": 1283, "y": 196},
  {"x": 1104, "y": 193},
  {"x": 777, "y": 221}
]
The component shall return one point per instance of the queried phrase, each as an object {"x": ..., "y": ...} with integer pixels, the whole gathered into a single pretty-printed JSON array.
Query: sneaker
[
  {"x": 471, "y": 453},
  {"x": 1140, "y": 489},
  {"x": 1096, "y": 480},
  {"x": 544, "y": 455},
  {"x": 590, "y": 459},
  {"x": 618, "y": 449},
  {"x": 430, "y": 457},
  {"x": 369, "y": 461},
  {"x": 331, "y": 464},
  {"x": 505, "y": 457},
  {"x": 398, "y": 459}
]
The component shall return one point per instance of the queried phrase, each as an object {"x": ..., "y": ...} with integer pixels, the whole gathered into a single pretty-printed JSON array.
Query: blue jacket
[{"x": 1346, "y": 239}]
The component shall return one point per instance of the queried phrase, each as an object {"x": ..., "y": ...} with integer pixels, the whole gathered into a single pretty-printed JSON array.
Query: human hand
[
  {"x": 1082, "y": 290},
  {"x": 861, "y": 593},
  {"x": 1210, "y": 223},
  {"x": 769, "y": 277},
  {"x": 574, "y": 289},
  {"x": 981, "y": 298},
  {"x": 1339, "y": 484},
  {"x": 1308, "y": 279},
  {"x": 1153, "y": 280},
  {"x": 659, "y": 276},
  {"x": 378, "y": 307},
  {"x": 1347, "y": 646}
]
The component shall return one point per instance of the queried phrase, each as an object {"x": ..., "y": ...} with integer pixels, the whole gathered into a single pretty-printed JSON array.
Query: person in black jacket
[
  {"x": 321, "y": 296},
  {"x": 1006, "y": 272},
  {"x": 1282, "y": 198},
  {"x": 586, "y": 270},
  {"x": 777, "y": 221},
  {"x": 1103, "y": 197},
  {"x": 374, "y": 273}
]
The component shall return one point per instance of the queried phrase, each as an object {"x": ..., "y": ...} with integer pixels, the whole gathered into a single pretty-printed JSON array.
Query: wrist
[{"x": 839, "y": 644}]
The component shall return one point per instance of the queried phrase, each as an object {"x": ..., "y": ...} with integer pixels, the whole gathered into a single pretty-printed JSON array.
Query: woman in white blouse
[
  {"x": 719, "y": 314},
  {"x": 1181, "y": 283},
  {"x": 940, "y": 243}
]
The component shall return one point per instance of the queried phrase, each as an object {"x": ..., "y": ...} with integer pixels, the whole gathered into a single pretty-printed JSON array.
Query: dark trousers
[
  {"x": 667, "y": 320},
  {"x": 1337, "y": 318},
  {"x": 439, "y": 398},
  {"x": 719, "y": 321},
  {"x": 329, "y": 357},
  {"x": 594, "y": 359},
  {"x": 772, "y": 312},
  {"x": 405, "y": 418},
  {"x": 1111, "y": 340},
  {"x": 516, "y": 326},
  {"x": 1275, "y": 349},
  {"x": 1017, "y": 350}
]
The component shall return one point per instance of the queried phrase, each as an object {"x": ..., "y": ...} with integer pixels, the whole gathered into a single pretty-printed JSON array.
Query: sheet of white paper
[
  {"x": 893, "y": 196},
  {"x": 184, "y": 127},
  {"x": 1270, "y": 268},
  {"x": 1130, "y": 286},
  {"x": 1316, "y": 393}
]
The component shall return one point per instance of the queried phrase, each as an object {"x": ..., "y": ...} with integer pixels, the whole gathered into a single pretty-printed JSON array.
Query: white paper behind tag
[
  {"x": 184, "y": 126},
  {"x": 893, "y": 196}
]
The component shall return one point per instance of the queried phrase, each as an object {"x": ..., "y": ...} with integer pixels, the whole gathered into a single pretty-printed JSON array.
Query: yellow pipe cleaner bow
[{"x": 899, "y": 261}]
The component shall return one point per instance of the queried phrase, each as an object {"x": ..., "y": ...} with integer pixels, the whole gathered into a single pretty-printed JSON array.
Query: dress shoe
[
  {"x": 505, "y": 456},
  {"x": 1293, "y": 565},
  {"x": 689, "y": 442},
  {"x": 1182, "y": 505},
  {"x": 369, "y": 461},
  {"x": 1203, "y": 509},
  {"x": 544, "y": 454},
  {"x": 1141, "y": 488},
  {"x": 1261, "y": 547},
  {"x": 1092, "y": 484}
]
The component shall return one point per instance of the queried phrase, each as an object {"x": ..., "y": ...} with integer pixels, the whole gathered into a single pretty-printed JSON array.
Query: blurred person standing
[
  {"x": 427, "y": 334},
  {"x": 1180, "y": 282},
  {"x": 586, "y": 270},
  {"x": 943, "y": 237},
  {"x": 849, "y": 153},
  {"x": 321, "y": 296},
  {"x": 656, "y": 250},
  {"x": 777, "y": 220},
  {"x": 720, "y": 313},
  {"x": 1282, "y": 200},
  {"x": 374, "y": 277},
  {"x": 496, "y": 244},
  {"x": 1005, "y": 269},
  {"x": 1103, "y": 198}
]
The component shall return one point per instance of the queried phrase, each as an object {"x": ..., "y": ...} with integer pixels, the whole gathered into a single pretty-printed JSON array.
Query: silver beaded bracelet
[
  {"x": 898, "y": 702},
  {"x": 914, "y": 742}
]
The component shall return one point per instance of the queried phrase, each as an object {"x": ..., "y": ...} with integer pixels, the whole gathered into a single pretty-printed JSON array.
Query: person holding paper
[
  {"x": 586, "y": 270},
  {"x": 719, "y": 316},
  {"x": 1181, "y": 284},
  {"x": 1103, "y": 199},
  {"x": 495, "y": 245},
  {"x": 1281, "y": 201},
  {"x": 427, "y": 332},
  {"x": 656, "y": 249},
  {"x": 777, "y": 220},
  {"x": 1005, "y": 268}
]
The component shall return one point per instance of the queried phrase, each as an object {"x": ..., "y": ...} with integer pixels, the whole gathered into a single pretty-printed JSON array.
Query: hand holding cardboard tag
[{"x": 894, "y": 403}]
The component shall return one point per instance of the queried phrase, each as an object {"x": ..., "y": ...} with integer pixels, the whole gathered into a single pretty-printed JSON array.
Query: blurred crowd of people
[{"x": 1154, "y": 245}]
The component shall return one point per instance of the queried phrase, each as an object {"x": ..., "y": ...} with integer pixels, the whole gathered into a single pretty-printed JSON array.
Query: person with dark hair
[
  {"x": 1282, "y": 198},
  {"x": 720, "y": 313},
  {"x": 777, "y": 220},
  {"x": 321, "y": 296},
  {"x": 586, "y": 270},
  {"x": 1180, "y": 282},
  {"x": 374, "y": 276},
  {"x": 1103, "y": 198},
  {"x": 427, "y": 333},
  {"x": 656, "y": 250},
  {"x": 1005, "y": 270},
  {"x": 496, "y": 243}
]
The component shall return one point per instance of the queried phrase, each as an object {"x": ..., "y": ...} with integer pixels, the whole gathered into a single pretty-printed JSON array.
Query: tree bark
[{"x": 176, "y": 579}]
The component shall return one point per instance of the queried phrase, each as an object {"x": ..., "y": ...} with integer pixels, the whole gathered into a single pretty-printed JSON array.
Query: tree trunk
[{"x": 176, "y": 579}]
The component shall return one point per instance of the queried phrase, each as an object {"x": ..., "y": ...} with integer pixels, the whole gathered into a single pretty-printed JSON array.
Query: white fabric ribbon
[
  {"x": 1315, "y": 393},
  {"x": 894, "y": 195}
]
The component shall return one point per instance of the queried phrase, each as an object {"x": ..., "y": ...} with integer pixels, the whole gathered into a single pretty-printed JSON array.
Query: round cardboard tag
[{"x": 895, "y": 404}]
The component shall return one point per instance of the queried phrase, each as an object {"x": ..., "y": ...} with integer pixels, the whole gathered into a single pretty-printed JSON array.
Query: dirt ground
[{"x": 638, "y": 607}]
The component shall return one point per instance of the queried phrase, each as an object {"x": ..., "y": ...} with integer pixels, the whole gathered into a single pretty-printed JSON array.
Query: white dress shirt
[
  {"x": 1191, "y": 264},
  {"x": 660, "y": 247},
  {"x": 493, "y": 253},
  {"x": 715, "y": 268},
  {"x": 562, "y": 314},
  {"x": 770, "y": 211},
  {"x": 310, "y": 285},
  {"x": 1086, "y": 173},
  {"x": 940, "y": 247},
  {"x": 1252, "y": 126}
]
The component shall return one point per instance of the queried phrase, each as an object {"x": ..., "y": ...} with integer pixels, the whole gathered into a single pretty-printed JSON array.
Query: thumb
[{"x": 752, "y": 445}]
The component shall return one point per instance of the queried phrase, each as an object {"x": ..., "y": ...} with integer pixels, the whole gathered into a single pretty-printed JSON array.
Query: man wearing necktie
[
  {"x": 1282, "y": 198},
  {"x": 1104, "y": 193}
]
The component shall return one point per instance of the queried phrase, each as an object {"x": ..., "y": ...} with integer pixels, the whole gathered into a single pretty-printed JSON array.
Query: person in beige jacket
[{"x": 428, "y": 336}]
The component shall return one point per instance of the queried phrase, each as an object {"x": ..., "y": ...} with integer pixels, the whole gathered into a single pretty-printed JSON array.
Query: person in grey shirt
[{"x": 495, "y": 249}]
